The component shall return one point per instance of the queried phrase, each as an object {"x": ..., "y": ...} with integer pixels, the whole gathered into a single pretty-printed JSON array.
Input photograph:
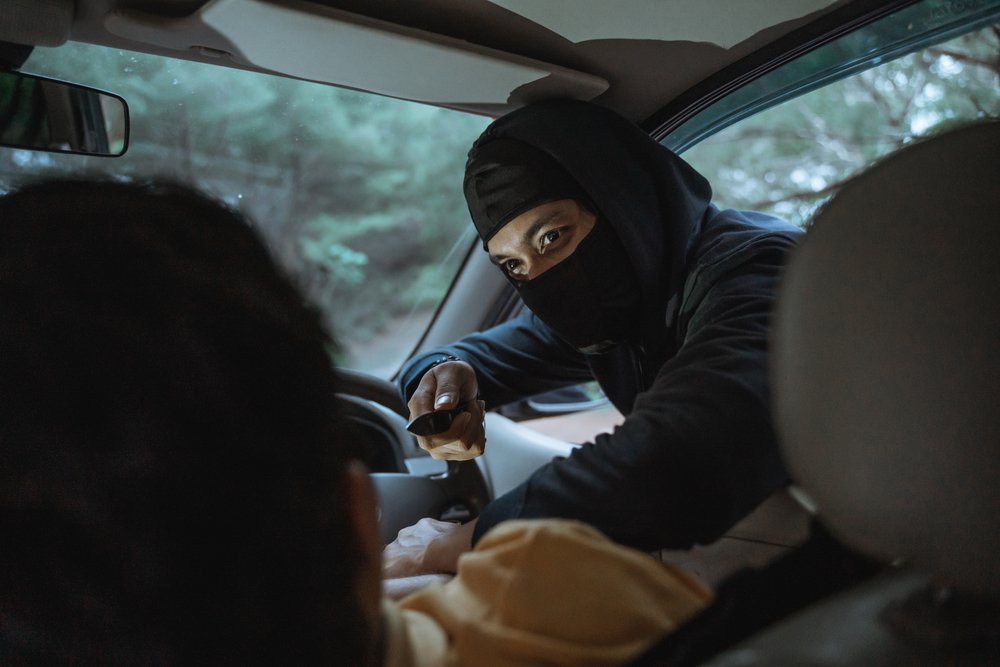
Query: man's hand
[
  {"x": 427, "y": 547},
  {"x": 444, "y": 387}
]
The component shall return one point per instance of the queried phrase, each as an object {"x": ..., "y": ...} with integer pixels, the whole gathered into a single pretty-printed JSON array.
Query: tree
[
  {"x": 791, "y": 158},
  {"x": 358, "y": 195}
]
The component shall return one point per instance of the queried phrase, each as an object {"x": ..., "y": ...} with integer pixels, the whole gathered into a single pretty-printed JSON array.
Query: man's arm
[
  {"x": 513, "y": 360},
  {"x": 519, "y": 356},
  {"x": 698, "y": 451}
]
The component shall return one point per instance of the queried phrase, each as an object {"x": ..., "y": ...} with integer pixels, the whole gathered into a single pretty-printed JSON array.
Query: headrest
[
  {"x": 886, "y": 362},
  {"x": 35, "y": 22}
]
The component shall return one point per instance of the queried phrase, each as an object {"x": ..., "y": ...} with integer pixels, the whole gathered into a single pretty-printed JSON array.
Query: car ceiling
[{"x": 485, "y": 56}]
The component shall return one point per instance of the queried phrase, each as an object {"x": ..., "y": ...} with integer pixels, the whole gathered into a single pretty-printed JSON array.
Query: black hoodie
[{"x": 697, "y": 450}]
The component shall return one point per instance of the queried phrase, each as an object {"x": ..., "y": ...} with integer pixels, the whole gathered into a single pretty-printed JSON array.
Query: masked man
[{"x": 631, "y": 276}]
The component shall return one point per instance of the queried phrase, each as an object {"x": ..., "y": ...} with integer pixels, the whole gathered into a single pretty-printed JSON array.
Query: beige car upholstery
[
  {"x": 886, "y": 371},
  {"x": 513, "y": 452}
]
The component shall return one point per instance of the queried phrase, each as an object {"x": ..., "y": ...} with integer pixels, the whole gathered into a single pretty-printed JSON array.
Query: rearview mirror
[{"x": 48, "y": 115}]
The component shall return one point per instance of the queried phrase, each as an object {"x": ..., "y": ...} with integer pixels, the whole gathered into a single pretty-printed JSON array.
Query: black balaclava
[
  {"x": 507, "y": 178},
  {"x": 587, "y": 299},
  {"x": 650, "y": 204}
]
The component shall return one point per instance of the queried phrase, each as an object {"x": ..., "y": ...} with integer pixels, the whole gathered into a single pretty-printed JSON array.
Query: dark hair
[{"x": 169, "y": 458}]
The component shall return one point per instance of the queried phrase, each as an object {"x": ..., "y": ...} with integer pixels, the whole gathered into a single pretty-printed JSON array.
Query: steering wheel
[{"x": 410, "y": 484}]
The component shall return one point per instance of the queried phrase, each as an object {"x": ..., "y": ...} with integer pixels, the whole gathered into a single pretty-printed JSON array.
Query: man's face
[{"x": 538, "y": 239}]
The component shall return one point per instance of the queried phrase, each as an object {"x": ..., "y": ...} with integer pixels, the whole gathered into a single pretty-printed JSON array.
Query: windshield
[{"x": 358, "y": 196}]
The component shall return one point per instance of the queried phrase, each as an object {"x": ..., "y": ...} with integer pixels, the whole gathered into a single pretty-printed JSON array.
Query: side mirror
[{"x": 43, "y": 114}]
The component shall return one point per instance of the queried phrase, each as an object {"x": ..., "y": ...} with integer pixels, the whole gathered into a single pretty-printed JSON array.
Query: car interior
[
  {"x": 881, "y": 388},
  {"x": 891, "y": 444}
]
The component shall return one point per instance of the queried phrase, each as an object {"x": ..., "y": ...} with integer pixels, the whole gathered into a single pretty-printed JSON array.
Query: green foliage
[
  {"x": 791, "y": 158},
  {"x": 359, "y": 196}
]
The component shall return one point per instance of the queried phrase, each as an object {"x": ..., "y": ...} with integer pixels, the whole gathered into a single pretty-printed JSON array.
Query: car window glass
[
  {"x": 791, "y": 158},
  {"x": 359, "y": 196}
]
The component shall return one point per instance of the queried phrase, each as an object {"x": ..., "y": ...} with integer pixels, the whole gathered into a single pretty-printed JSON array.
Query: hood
[{"x": 653, "y": 200}]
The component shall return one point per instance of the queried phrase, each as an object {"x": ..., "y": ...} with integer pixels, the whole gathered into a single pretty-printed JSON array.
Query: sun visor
[{"x": 327, "y": 45}]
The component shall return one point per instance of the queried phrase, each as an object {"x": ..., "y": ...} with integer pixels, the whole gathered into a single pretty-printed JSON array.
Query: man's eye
[
  {"x": 512, "y": 267},
  {"x": 550, "y": 237}
]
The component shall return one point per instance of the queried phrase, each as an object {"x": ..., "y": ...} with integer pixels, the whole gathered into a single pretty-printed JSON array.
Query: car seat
[
  {"x": 886, "y": 371},
  {"x": 886, "y": 366}
]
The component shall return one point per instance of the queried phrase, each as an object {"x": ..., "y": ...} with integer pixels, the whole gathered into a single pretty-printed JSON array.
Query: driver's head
[{"x": 175, "y": 485}]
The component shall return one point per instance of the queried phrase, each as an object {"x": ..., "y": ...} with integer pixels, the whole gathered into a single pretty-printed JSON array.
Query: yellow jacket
[{"x": 542, "y": 592}]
